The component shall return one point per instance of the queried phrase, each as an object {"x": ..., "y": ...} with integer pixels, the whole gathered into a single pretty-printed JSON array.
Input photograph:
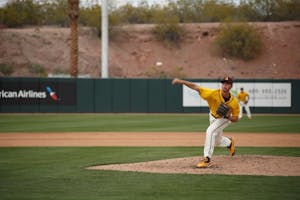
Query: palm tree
[{"x": 73, "y": 12}]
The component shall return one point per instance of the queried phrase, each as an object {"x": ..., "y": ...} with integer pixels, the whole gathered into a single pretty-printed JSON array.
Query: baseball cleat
[
  {"x": 204, "y": 163},
  {"x": 231, "y": 147}
]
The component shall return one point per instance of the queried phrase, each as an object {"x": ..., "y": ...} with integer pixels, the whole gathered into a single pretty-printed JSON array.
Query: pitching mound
[{"x": 237, "y": 165}]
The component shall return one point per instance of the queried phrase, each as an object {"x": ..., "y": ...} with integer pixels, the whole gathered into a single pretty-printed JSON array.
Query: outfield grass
[
  {"x": 59, "y": 173},
  {"x": 140, "y": 122}
]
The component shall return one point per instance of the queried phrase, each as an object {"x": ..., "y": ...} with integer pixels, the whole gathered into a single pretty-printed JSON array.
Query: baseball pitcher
[{"x": 224, "y": 109}]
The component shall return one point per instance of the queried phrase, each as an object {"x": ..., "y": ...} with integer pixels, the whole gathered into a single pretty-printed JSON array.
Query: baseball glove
[{"x": 223, "y": 110}]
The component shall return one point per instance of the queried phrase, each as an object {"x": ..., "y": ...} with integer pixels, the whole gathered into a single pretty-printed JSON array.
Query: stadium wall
[{"x": 69, "y": 95}]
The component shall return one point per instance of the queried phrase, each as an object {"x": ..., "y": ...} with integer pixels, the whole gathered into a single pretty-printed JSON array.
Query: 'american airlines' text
[{"x": 22, "y": 94}]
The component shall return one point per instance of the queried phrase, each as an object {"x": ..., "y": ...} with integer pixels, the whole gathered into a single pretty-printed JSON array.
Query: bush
[
  {"x": 6, "y": 70},
  {"x": 167, "y": 28},
  {"x": 168, "y": 32},
  {"x": 155, "y": 72},
  {"x": 171, "y": 33},
  {"x": 37, "y": 69},
  {"x": 91, "y": 16},
  {"x": 179, "y": 73},
  {"x": 241, "y": 41},
  {"x": 21, "y": 12}
]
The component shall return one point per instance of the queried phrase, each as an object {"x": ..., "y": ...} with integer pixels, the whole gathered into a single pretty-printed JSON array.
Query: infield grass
[
  {"x": 140, "y": 123},
  {"x": 59, "y": 173}
]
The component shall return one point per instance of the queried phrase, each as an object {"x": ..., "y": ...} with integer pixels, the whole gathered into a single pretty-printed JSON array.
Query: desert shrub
[
  {"x": 134, "y": 14},
  {"x": 55, "y": 13},
  {"x": 159, "y": 72},
  {"x": 216, "y": 11},
  {"x": 169, "y": 32},
  {"x": 6, "y": 70},
  {"x": 167, "y": 28},
  {"x": 21, "y": 12},
  {"x": 155, "y": 72},
  {"x": 239, "y": 40},
  {"x": 58, "y": 70},
  {"x": 91, "y": 16},
  {"x": 37, "y": 69},
  {"x": 179, "y": 73}
]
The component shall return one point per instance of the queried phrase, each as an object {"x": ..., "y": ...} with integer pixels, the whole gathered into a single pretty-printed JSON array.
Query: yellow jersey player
[
  {"x": 243, "y": 98},
  {"x": 217, "y": 99}
]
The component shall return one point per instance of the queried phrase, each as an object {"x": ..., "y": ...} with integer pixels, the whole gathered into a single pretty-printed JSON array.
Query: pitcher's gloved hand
[{"x": 223, "y": 110}]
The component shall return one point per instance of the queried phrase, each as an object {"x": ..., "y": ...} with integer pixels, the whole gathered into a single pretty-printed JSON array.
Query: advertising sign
[
  {"x": 42, "y": 93},
  {"x": 261, "y": 94}
]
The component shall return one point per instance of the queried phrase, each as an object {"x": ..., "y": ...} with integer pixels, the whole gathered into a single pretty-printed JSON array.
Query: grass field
[
  {"x": 59, "y": 172},
  {"x": 140, "y": 123}
]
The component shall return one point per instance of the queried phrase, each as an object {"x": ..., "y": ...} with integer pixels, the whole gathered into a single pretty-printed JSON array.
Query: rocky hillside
[{"x": 135, "y": 53}]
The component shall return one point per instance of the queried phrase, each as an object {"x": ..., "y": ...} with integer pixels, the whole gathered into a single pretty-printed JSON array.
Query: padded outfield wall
[{"x": 69, "y": 95}]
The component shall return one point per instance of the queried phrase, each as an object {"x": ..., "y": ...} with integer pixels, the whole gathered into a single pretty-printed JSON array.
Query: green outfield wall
[{"x": 68, "y": 95}]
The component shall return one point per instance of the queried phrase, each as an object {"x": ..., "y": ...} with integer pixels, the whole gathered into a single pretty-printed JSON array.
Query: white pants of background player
[
  {"x": 214, "y": 135},
  {"x": 246, "y": 106}
]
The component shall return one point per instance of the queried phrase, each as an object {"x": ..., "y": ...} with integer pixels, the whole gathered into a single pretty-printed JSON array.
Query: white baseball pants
[
  {"x": 246, "y": 106},
  {"x": 214, "y": 135}
]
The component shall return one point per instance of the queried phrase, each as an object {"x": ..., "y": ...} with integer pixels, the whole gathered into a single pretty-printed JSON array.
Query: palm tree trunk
[{"x": 73, "y": 12}]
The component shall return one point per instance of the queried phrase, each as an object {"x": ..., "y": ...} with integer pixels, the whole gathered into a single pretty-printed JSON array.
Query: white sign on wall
[{"x": 261, "y": 94}]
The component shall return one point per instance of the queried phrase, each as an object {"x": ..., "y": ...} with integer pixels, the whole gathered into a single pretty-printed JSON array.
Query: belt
[{"x": 214, "y": 116}]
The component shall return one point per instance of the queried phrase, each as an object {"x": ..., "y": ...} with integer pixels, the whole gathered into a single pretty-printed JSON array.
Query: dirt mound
[
  {"x": 237, "y": 165},
  {"x": 135, "y": 53}
]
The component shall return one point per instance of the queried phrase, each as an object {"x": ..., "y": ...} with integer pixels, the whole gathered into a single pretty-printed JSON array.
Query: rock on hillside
[{"x": 135, "y": 53}]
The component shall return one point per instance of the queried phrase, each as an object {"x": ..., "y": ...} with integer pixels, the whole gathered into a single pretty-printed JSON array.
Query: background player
[
  {"x": 243, "y": 98},
  {"x": 217, "y": 99}
]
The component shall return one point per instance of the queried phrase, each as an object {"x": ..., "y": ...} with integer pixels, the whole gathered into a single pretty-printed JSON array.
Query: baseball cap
[{"x": 227, "y": 79}]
